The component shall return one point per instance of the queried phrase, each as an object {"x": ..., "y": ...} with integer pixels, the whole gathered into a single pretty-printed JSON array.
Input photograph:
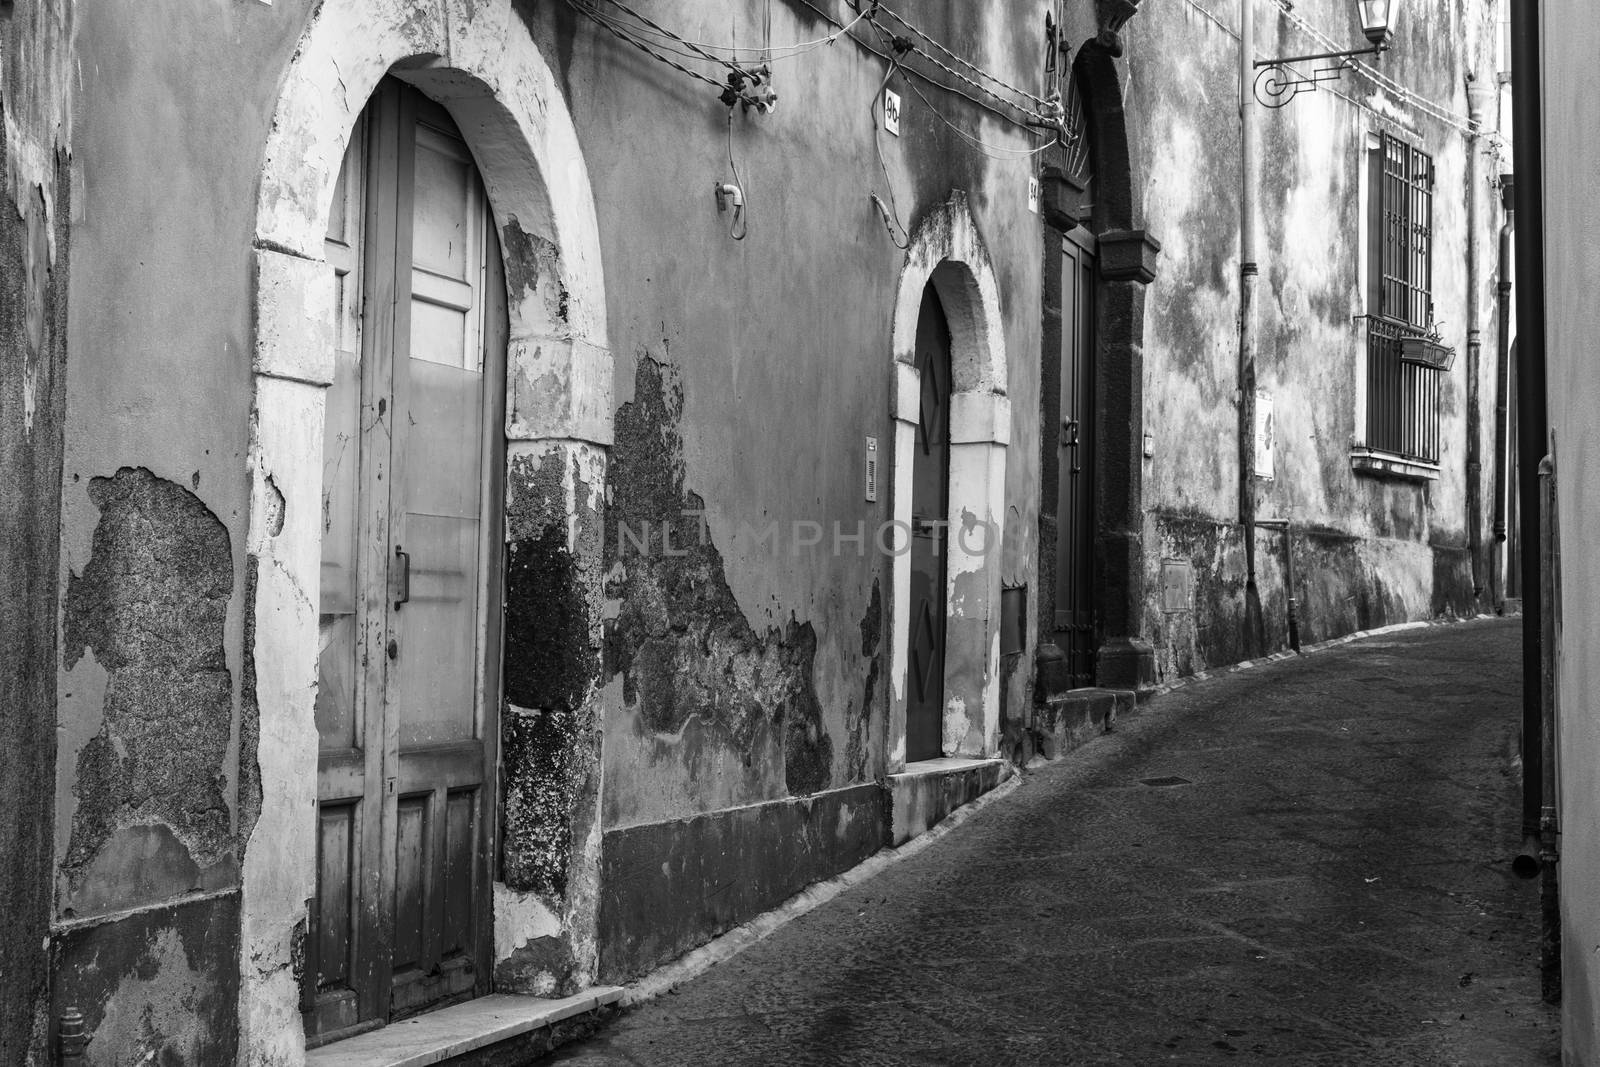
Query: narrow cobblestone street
[{"x": 1306, "y": 862}]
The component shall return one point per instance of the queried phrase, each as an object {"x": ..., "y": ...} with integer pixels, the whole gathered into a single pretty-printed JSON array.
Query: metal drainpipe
[
  {"x": 1549, "y": 848},
  {"x": 1502, "y": 388},
  {"x": 1247, "y": 323},
  {"x": 72, "y": 1044},
  {"x": 1474, "y": 346},
  {"x": 1532, "y": 420}
]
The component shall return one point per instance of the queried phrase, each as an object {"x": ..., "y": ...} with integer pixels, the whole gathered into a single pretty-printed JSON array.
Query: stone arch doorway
[
  {"x": 484, "y": 71},
  {"x": 947, "y": 271},
  {"x": 1097, "y": 264}
]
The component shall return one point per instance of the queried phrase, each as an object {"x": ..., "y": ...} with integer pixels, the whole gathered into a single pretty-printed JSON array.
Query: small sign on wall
[
  {"x": 871, "y": 486},
  {"x": 1033, "y": 195},
  {"x": 891, "y": 111},
  {"x": 1266, "y": 434}
]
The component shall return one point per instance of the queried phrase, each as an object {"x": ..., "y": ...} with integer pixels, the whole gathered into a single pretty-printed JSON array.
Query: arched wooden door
[
  {"x": 409, "y": 602},
  {"x": 930, "y": 508}
]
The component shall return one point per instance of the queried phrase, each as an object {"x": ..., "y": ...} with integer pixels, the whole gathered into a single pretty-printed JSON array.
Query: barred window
[{"x": 1402, "y": 396}]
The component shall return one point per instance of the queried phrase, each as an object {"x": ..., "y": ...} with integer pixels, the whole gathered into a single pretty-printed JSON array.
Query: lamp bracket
[{"x": 1277, "y": 83}]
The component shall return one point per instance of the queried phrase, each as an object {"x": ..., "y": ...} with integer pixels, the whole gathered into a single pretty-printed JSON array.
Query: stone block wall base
[
  {"x": 1126, "y": 663},
  {"x": 928, "y": 790},
  {"x": 1065, "y": 721}
]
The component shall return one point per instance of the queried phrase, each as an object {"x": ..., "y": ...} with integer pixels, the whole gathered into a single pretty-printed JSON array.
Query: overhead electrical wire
[
  {"x": 701, "y": 51},
  {"x": 897, "y": 229},
  {"x": 1434, "y": 110},
  {"x": 1421, "y": 103},
  {"x": 641, "y": 46},
  {"x": 887, "y": 56},
  {"x": 996, "y": 151},
  {"x": 902, "y": 20},
  {"x": 765, "y": 53}
]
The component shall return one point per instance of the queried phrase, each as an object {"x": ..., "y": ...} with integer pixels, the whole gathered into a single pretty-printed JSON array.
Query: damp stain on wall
[
  {"x": 858, "y": 750},
  {"x": 150, "y": 606},
  {"x": 548, "y": 755},
  {"x": 679, "y": 640}
]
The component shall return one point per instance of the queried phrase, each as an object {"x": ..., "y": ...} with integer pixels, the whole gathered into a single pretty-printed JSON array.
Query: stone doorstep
[
  {"x": 926, "y": 791},
  {"x": 437, "y": 1036},
  {"x": 1073, "y": 717}
]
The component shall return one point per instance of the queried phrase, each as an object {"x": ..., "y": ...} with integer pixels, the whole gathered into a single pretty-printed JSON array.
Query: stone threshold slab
[
  {"x": 439, "y": 1035},
  {"x": 926, "y": 791}
]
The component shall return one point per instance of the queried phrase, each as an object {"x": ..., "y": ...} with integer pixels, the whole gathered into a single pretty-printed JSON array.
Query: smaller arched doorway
[
  {"x": 952, "y": 426},
  {"x": 930, "y": 529}
]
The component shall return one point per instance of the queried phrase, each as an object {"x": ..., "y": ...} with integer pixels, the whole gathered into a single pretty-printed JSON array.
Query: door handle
[
  {"x": 403, "y": 576},
  {"x": 1069, "y": 428}
]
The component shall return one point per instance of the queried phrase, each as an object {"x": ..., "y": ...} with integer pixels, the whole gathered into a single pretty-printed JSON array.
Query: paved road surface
[{"x": 1331, "y": 886}]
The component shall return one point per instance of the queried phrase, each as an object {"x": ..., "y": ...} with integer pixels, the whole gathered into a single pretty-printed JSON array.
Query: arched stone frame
[
  {"x": 947, "y": 252},
  {"x": 1126, "y": 262},
  {"x": 479, "y": 60}
]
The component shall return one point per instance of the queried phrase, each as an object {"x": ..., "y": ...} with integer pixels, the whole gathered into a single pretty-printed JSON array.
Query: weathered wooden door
[
  {"x": 930, "y": 508},
  {"x": 408, "y": 659},
  {"x": 1075, "y": 525}
]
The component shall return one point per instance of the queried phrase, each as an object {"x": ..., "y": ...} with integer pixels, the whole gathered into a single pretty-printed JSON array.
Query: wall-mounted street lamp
[{"x": 1277, "y": 83}]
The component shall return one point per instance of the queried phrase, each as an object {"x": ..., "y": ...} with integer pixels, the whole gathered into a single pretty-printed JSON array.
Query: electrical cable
[
  {"x": 773, "y": 54},
  {"x": 691, "y": 46},
  {"x": 886, "y": 56},
  {"x": 1366, "y": 70},
  {"x": 902, "y": 20},
  {"x": 1030, "y": 113},
  {"x": 888, "y": 185},
  {"x": 1422, "y": 103},
  {"x": 741, "y": 213},
  {"x": 983, "y": 146},
  {"x": 641, "y": 46}
]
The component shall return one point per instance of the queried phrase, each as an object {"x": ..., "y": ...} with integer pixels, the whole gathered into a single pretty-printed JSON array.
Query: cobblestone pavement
[{"x": 1330, "y": 885}]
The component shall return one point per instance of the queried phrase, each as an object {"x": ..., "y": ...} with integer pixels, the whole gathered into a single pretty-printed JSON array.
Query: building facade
[{"x": 511, "y": 490}]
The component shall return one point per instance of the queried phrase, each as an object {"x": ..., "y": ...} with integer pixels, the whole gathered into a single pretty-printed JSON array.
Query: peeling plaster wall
[
  {"x": 753, "y": 671},
  {"x": 1367, "y": 551},
  {"x": 36, "y": 136},
  {"x": 154, "y": 780}
]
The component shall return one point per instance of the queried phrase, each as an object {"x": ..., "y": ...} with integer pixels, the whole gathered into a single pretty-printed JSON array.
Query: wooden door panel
[
  {"x": 460, "y": 866},
  {"x": 1075, "y": 522},
  {"x": 410, "y": 884}
]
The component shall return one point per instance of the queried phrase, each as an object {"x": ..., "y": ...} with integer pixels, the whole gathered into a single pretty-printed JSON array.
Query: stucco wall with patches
[
  {"x": 1368, "y": 551},
  {"x": 36, "y": 76},
  {"x": 740, "y": 673},
  {"x": 153, "y": 784}
]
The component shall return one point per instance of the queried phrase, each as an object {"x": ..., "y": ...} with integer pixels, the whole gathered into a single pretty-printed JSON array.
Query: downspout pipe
[
  {"x": 1532, "y": 421},
  {"x": 1474, "y": 348},
  {"x": 1549, "y": 827},
  {"x": 1502, "y": 386},
  {"x": 1248, "y": 273}
]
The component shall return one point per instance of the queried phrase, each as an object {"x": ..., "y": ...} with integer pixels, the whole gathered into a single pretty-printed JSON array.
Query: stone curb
[
  {"x": 696, "y": 962},
  {"x": 1308, "y": 650}
]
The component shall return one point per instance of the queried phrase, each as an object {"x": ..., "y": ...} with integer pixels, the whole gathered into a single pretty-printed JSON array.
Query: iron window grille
[{"x": 1402, "y": 396}]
